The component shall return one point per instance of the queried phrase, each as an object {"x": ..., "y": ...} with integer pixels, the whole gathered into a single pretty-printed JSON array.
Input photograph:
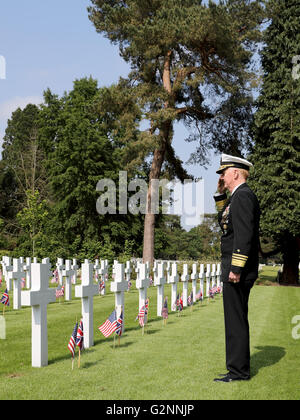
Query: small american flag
[
  {"x": 151, "y": 281},
  {"x": 23, "y": 282},
  {"x": 55, "y": 277},
  {"x": 110, "y": 325},
  {"x": 179, "y": 304},
  {"x": 101, "y": 285},
  {"x": 164, "y": 311},
  {"x": 190, "y": 299},
  {"x": 141, "y": 316},
  {"x": 60, "y": 292},
  {"x": 212, "y": 292},
  {"x": 79, "y": 336},
  {"x": 119, "y": 328},
  {"x": 72, "y": 342},
  {"x": 129, "y": 285},
  {"x": 5, "y": 298},
  {"x": 199, "y": 295},
  {"x": 1, "y": 277},
  {"x": 143, "y": 312}
]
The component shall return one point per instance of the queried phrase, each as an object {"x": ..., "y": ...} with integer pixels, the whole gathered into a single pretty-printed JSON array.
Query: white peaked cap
[{"x": 228, "y": 161}]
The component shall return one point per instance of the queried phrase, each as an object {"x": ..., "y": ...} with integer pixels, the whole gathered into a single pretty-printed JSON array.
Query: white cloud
[{"x": 7, "y": 107}]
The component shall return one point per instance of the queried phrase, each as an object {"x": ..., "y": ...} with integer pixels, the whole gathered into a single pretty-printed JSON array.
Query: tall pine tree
[
  {"x": 189, "y": 62},
  {"x": 276, "y": 177}
]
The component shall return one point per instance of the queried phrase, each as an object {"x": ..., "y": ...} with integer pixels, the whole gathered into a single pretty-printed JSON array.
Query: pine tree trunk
[
  {"x": 149, "y": 222},
  {"x": 290, "y": 274},
  {"x": 158, "y": 159}
]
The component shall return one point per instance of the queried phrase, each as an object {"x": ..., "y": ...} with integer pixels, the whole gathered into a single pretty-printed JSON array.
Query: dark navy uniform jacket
[{"x": 239, "y": 220}]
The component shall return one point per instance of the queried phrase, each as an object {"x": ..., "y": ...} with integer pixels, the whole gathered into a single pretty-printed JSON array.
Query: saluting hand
[{"x": 221, "y": 187}]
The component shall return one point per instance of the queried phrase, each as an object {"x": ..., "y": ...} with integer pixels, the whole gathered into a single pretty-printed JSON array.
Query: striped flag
[
  {"x": 164, "y": 311},
  {"x": 5, "y": 298},
  {"x": 55, "y": 277},
  {"x": 143, "y": 312},
  {"x": 101, "y": 285},
  {"x": 72, "y": 342},
  {"x": 79, "y": 336},
  {"x": 110, "y": 325},
  {"x": 60, "y": 292},
  {"x": 190, "y": 299},
  {"x": 213, "y": 291},
  {"x": 199, "y": 295},
  {"x": 179, "y": 303},
  {"x": 141, "y": 316},
  {"x": 119, "y": 328}
]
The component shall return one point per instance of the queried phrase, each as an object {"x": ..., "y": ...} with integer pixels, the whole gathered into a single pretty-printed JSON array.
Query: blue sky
[{"x": 52, "y": 43}]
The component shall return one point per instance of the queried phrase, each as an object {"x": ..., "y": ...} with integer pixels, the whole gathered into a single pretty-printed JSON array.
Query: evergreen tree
[
  {"x": 276, "y": 155},
  {"x": 82, "y": 147},
  {"x": 189, "y": 63}
]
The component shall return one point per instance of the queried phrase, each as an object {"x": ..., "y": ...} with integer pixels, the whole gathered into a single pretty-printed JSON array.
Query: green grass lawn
[{"x": 174, "y": 362}]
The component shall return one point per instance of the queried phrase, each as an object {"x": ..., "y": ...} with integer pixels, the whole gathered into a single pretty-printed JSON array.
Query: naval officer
[{"x": 238, "y": 214}]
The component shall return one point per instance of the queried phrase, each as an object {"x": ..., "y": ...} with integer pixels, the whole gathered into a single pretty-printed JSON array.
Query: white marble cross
[
  {"x": 74, "y": 267},
  {"x": 201, "y": 278},
  {"x": 159, "y": 281},
  {"x": 218, "y": 274},
  {"x": 118, "y": 286},
  {"x": 38, "y": 298},
  {"x": 128, "y": 272},
  {"x": 97, "y": 268},
  {"x": 213, "y": 275},
  {"x": 17, "y": 274},
  {"x": 60, "y": 267},
  {"x": 185, "y": 280},
  {"x": 194, "y": 278},
  {"x": 27, "y": 269},
  {"x": 68, "y": 273},
  {"x": 104, "y": 274},
  {"x": 86, "y": 291},
  {"x": 168, "y": 270},
  {"x": 7, "y": 267},
  {"x": 142, "y": 282},
  {"x": 207, "y": 275},
  {"x": 173, "y": 279}
]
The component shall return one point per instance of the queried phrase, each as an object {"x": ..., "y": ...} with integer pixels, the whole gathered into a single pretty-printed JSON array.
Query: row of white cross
[{"x": 40, "y": 295}]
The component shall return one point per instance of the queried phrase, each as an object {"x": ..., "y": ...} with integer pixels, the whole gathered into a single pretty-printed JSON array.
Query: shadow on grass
[{"x": 266, "y": 356}]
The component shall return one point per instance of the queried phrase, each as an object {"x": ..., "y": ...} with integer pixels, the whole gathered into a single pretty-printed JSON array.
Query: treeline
[{"x": 53, "y": 157}]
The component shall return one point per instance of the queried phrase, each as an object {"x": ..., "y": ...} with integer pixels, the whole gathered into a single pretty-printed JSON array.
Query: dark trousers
[{"x": 235, "y": 301}]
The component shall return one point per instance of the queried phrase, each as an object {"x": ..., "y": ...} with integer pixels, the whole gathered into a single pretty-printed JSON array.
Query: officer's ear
[{"x": 235, "y": 174}]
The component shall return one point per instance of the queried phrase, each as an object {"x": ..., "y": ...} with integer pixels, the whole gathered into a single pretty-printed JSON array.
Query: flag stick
[
  {"x": 119, "y": 341},
  {"x": 3, "y": 309},
  {"x": 114, "y": 341},
  {"x": 79, "y": 358}
]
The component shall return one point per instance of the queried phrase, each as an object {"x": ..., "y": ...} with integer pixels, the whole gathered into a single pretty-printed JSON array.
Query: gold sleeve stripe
[
  {"x": 241, "y": 257},
  {"x": 220, "y": 204},
  {"x": 238, "y": 263}
]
